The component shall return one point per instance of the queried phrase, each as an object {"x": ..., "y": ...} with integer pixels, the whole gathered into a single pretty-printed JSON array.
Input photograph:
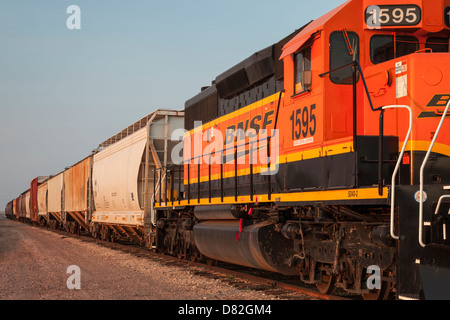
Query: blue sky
[{"x": 62, "y": 91}]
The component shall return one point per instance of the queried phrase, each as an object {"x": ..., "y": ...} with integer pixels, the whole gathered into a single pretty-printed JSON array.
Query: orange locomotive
[{"x": 325, "y": 155}]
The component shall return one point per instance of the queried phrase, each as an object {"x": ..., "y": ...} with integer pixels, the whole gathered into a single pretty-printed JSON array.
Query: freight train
[{"x": 325, "y": 155}]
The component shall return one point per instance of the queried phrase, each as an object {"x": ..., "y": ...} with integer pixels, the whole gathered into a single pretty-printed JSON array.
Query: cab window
[
  {"x": 382, "y": 47},
  {"x": 302, "y": 64},
  {"x": 437, "y": 44},
  {"x": 340, "y": 55}
]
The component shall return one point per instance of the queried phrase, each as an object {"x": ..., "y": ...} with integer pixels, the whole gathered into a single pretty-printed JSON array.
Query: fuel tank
[{"x": 257, "y": 246}]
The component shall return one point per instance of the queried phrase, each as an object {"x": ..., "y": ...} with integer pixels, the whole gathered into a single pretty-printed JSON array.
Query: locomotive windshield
[
  {"x": 382, "y": 47},
  {"x": 340, "y": 55},
  {"x": 437, "y": 44}
]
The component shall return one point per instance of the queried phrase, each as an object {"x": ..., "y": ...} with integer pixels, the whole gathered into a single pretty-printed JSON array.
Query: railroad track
[{"x": 272, "y": 284}]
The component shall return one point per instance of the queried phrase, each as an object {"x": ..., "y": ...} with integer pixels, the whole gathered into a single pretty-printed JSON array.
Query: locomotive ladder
[{"x": 422, "y": 169}]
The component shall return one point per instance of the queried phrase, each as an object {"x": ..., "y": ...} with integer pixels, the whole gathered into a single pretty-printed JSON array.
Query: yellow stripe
[
  {"x": 330, "y": 150},
  {"x": 418, "y": 145},
  {"x": 311, "y": 196},
  {"x": 250, "y": 107}
]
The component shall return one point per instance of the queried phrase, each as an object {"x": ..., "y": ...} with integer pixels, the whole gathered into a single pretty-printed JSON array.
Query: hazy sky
[{"x": 62, "y": 92}]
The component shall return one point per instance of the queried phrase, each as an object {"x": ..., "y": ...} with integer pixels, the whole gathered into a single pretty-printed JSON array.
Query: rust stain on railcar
[{"x": 75, "y": 187}]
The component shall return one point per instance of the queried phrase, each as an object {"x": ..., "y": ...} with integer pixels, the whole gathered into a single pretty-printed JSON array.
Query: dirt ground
[{"x": 35, "y": 264}]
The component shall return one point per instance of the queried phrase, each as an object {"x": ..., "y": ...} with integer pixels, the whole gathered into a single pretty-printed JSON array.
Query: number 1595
[{"x": 391, "y": 15}]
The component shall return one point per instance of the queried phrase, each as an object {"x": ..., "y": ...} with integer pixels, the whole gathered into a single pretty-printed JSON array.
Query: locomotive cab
[
  {"x": 327, "y": 116},
  {"x": 330, "y": 118},
  {"x": 376, "y": 90}
]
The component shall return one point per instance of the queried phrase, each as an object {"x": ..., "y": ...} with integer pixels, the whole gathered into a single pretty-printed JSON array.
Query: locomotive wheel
[{"x": 328, "y": 284}]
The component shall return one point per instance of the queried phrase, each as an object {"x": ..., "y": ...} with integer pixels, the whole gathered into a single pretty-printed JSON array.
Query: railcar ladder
[
  {"x": 157, "y": 190},
  {"x": 422, "y": 169}
]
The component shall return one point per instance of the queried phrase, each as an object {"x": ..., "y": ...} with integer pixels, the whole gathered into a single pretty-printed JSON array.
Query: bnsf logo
[
  {"x": 438, "y": 103},
  {"x": 257, "y": 123}
]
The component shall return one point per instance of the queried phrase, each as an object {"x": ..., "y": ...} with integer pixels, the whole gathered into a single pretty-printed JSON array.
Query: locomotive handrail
[
  {"x": 235, "y": 148},
  {"x": 397, "y": 166},
  {"x": 422, "y": 169}
]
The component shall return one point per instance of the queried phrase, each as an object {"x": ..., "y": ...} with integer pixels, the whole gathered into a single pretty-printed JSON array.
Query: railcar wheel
[
  {"x": 195, "y": 256},
  {"x": 96, "y": 231},
  {"x": 211, "y": 262},
  {"x": 71, "y": 227},
  {"x": 328, "y": 284},
  {"x": 105, "y": 233}
]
